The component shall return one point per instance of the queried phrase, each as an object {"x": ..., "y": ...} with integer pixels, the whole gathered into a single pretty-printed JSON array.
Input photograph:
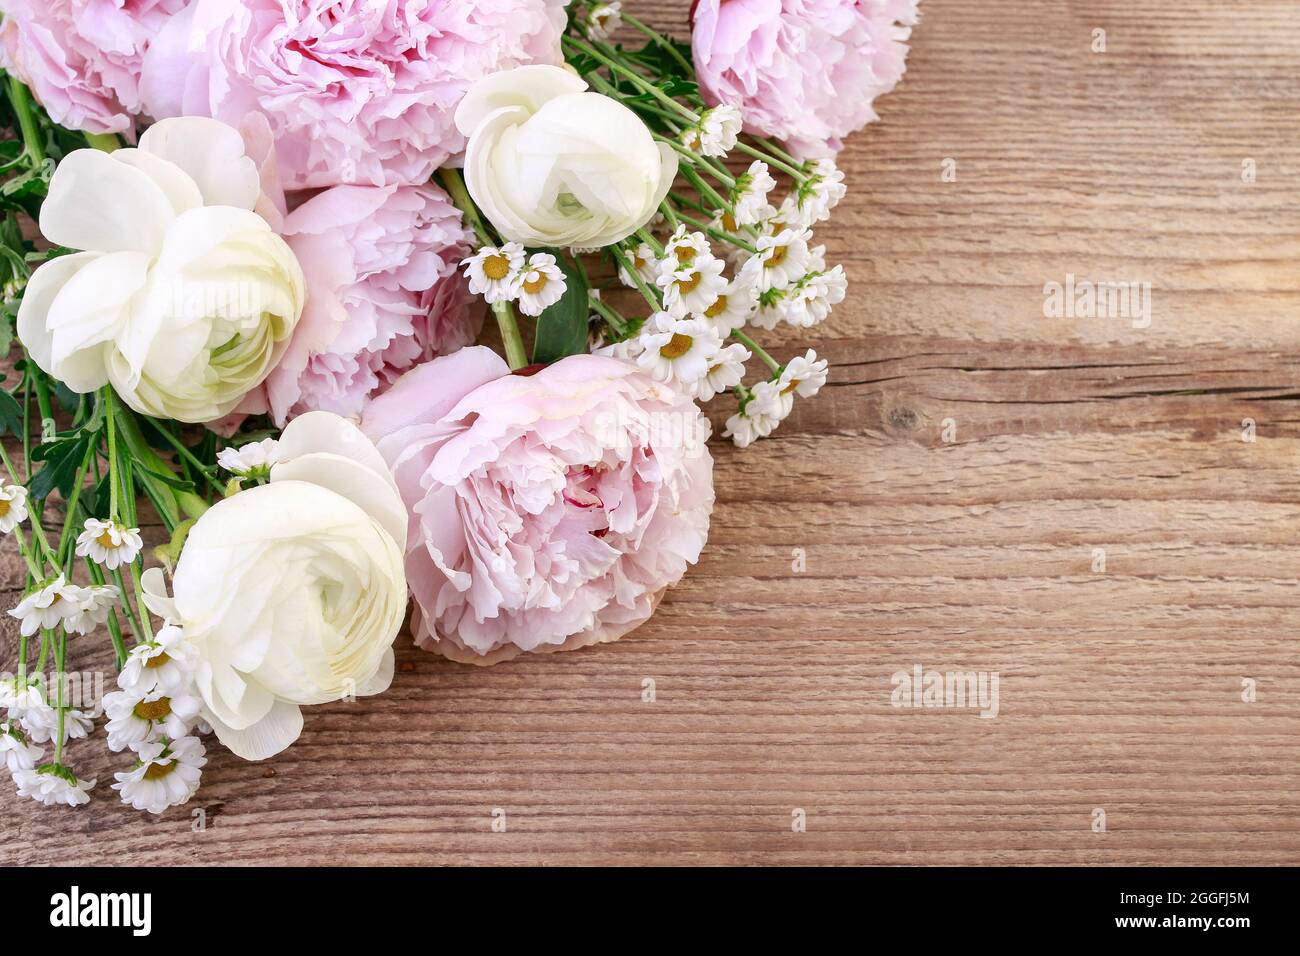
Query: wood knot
[{"x": 904, "y": 419}]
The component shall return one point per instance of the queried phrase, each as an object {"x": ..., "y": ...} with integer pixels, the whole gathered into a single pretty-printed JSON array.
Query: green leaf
[
  {"x": 60, "y": 469},
  {"x": 11, "y": 414},
  {"x": 562, "y": 327}
]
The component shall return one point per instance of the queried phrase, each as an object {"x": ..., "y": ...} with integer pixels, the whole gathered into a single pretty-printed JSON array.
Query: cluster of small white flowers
[
  {"x": 501, "y": 274},
  {"x": 153, "y": 714},
  {"x": 29, "y": 721},
  {"x": 716, "y": 132},
  {"x": 78, "y": 609},
  {"x": 784, "y": 279},
  {"x": 253, "y": 460}
]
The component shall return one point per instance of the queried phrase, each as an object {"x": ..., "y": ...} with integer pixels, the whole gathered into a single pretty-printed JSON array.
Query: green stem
[
  {"x": 511, "y": 338},
  {"x": 189, "y": 457},
  {"x": 114, "y": 469},
  {"x": 758, "y": 350},
  {"x": 107, "y": 142},
  {"x": 60, "y": 655},
  {"x": 797, "y": 175},
  {"x": 632, "y": 76},
  {"x": 778, "y": 152},
  {"x": 114, "y": 626},
  {"x": 651, "y": 296},
  {"x": 644, "y": 235},
  {"x": 22, "y": 104},
  {"x": 703, "y": 162},
  {"x": 65, "y": 539},
  {"x": 704, "y": 189},
  {"x": 45, "y": 651},
  {"x": 616, "y": 321}
]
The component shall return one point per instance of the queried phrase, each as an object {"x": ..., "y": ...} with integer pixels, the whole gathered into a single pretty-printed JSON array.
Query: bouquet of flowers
[{"x": 247, "y": 247}]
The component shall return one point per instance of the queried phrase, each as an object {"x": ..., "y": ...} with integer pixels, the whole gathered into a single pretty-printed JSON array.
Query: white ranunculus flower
[
  {"x": 551, "y": 164},
  {"x": 182, "y": 297},
  {"x": 293, "y": 592}
]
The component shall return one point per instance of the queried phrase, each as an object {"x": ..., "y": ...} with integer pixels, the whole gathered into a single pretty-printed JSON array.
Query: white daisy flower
[
  {"x": 604, "y": 20},
  {"x": 17, "y": 752},
  {"x": 786, "y": 216},
  {"x": 494, "y": 273},
  {"x": 645, "y": 264},
  {"x": 108, "y": 543},
  {"x": 96, "y": 602},
  {"x": 749, "y": 195},
  {"x": 811, "y": 298},
  {"x": 47, "y": 606},
  {"x": 770, "y": 309},
  {"x": 820, "y": 192},
  {"x": 733, "y": 307},
  {"x": 626, "y": 351},
  {"x": 165, "y": 665},
  {"x": 133, "y": 719},
  {"x": 541, "y": 285},
  {"x": 53, "y": 786},
  {"x": 727, "y": 369},
  {"x": 13, "y": 507},
  {"x": 716, "y": 133},
  {"x": 758, "y": 417},
  {"x": 8, "y": 691},
  {"x": 677, "y": 350},
  {"x": 252, "y": 460},
  {"x": 37, "y": 718},
  {"x": 166, "y": 775},
  {"x": 682, "y": 248},
  {"x": 781, "y": 259},
  {"x": 694, "y": 287},
  {"x": 804, "y": 375}
]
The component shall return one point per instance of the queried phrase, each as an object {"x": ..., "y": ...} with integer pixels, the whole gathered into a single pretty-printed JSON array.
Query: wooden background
[{"x": 1121, "y": 689}]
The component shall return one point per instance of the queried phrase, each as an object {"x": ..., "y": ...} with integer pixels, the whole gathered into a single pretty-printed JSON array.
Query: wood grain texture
[{"x": 1120, "y": 689}]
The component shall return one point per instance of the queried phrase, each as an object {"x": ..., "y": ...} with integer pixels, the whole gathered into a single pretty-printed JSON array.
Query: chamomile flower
[
  {"x": 733, "y": 307},
  {"x": 780, "y": 260},
  {"x": 677, "y": 350},
  {"x": 251, "y": 460},
  {"x": 53, "y": 785},
  {"x": 644, "y": 262},
  {"x": 810, "y": 299},
  {"x": 749, "y": 195},
  {"x": 108, "y": 543},
  {"x": 804, "y": 375},
  {"x": 164, "y": 665},
  {"x": 47, "y": 606},
  {"x": 541, "y": 285},
  {"x": 820, "y": 192},
  {"x": 716, "y": 132},
  {"x": 166, "y": 775},
  {"x": 37, "y": 718},
  {"x": 494, "y": 272},
  {"x": 604, "y": 20},
  {"x": 96, "y": 602},
  {"x": 133, "y": 719},
  {"x": 693, "y": 287},
  {"x": 770, "y": 308},
  {"x": 16, "y": 751},
  {"x": 726, "y": 370},
  {"x": 13, "y": 507},
  {"x": 682, "y": 248},
  {"x": 761, "y": 411}
]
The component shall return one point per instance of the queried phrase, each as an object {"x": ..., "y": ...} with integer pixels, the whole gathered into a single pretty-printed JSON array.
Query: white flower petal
[
  {"x": 97, "y": 204},
  {"x": 212, "y": 154},
  {"x": 526, "y": 86},
  {"x": 42, "y": 288},
  {"x": 266, "y": 738},
  {"x": 181, "y": 191}
]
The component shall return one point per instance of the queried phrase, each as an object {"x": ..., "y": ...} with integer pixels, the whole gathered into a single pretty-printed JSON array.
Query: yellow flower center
[
  {"x": 105, "y": 540},
  {"x": 4, "y": 507},
  {"x": 794, "y": 383},
  {"x": 689, "y": 284},
  {"x": 158, "y": 661},
  {"x": 534, "y": 286},
  {"x": 776, "y": 255},
  {"x": 729, "y": 222},
  {"x": 677, "y": 346},
  {"x": 157, "y": 771},
  {"x": 718, "y": 307},
  {"x": 685, "y": 255},
  {"x": 159, "y": 709},
  {"x": 496, "y": 267}
]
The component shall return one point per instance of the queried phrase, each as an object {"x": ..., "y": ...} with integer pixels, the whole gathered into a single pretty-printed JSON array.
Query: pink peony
[
  {"x": 356, "y": 91},
  {"x": 548, "y": 511},
  {"x": 384, "y": 292},
  {"x": 803, "y": 71},
  {"x": 81, "y": 58}
]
